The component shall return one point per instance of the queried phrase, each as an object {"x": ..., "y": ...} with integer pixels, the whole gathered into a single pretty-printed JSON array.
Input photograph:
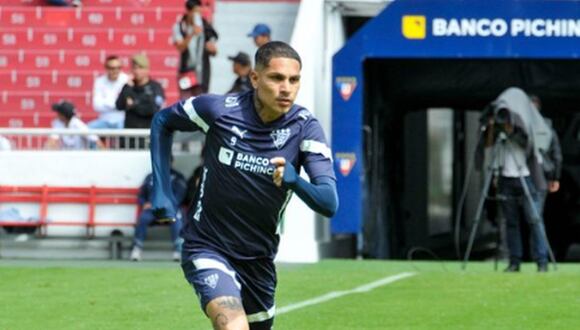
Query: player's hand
[
  {"x": 553, "y": 186},
  {"x": 278, "y": 175},
  {"x": 164, "y": 214}
]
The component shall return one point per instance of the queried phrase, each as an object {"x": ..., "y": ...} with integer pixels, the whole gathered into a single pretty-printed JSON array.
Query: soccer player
[{"x": 256, "y": 142}]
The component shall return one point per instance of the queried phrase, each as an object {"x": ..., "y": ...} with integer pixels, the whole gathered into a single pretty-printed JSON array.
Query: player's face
[{"x": 277, "y": 85}]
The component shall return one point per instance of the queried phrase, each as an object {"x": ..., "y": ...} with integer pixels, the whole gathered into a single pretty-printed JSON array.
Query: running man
[{"x": 256, "y": 143}]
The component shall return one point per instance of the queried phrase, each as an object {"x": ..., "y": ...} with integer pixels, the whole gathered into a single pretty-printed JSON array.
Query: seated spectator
[
  {"x": 67, "y": 119},
  {"x": 106, "y": 90},
  {"x": 261, "y": 34},
  {"x": 242, "y": 68},
  {"x": 147, "y": 217}
]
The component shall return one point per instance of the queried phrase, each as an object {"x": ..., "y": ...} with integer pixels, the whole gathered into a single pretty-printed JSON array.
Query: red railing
[{"x": 45, "y": 195}]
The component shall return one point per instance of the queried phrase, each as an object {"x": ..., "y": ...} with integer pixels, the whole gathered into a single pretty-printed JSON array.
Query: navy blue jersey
[{"x": 237, "y": 207}]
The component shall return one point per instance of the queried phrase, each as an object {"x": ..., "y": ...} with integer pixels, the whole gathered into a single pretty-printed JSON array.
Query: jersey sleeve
[
  {"x": 202, "y": 110},
  {"x": 315, "y": 153}
]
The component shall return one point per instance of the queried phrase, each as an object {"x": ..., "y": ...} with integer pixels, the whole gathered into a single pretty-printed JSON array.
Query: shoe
[
  {"x": 542, "y": 268},
  {"x": 512, "y": 268},
  {"x": 136, "y": 254},
  {"x": 176, "y": 256}
]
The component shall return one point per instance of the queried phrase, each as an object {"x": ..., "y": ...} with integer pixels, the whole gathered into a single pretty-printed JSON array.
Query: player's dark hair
[{"x": 272, "y": 50}]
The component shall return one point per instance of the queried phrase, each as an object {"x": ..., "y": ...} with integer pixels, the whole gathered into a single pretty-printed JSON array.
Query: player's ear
[{"x": 254, "y": 78}]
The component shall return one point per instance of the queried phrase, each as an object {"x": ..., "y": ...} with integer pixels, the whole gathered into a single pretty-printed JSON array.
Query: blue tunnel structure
[{"x": 420, "y": 55}]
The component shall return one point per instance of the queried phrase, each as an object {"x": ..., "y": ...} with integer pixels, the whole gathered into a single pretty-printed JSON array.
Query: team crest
[
  {"x": 346, "y": 161},
  {"x": 280, "y": 136},
  {"x": 211, "y": 280},
  {"x": 346, "y": 86}
]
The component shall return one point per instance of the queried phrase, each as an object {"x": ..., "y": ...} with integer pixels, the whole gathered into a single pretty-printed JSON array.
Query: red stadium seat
[
  {"x": 48, "y": 53},
  {"x": 42, "y": 80},
  {"x": 105, "y": 3},
  {"x": 10, "y": 59}
]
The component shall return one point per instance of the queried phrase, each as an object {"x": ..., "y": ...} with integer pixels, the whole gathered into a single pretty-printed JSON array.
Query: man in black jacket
[{"x": 141, "y": 97}]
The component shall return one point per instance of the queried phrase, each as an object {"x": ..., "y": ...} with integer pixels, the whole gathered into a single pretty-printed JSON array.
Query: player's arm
[
  {"x": 320, "y": 195},
  {"x": 165, "y": 123},
  {"x": 190, "y": 115}
]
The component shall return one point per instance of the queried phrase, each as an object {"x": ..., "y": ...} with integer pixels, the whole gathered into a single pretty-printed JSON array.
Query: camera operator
[{"x": 514, "y": 159}]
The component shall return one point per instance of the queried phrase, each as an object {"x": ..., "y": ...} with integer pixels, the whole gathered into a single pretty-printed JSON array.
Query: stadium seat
[
  {"x": 43, "y": 80},
  {"x": 48, "y": 53}
]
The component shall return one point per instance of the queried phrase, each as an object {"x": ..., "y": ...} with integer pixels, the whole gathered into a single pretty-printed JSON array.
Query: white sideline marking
[{"x": 338, "y": 294}]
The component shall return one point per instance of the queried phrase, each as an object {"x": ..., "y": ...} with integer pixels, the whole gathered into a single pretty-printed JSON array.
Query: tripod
[{"x": 499, "y": 152}]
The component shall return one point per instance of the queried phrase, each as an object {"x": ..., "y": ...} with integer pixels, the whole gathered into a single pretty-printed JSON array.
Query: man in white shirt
[
  {"x": 67, "y": 119},
  {"x": 106, "y": 89}
]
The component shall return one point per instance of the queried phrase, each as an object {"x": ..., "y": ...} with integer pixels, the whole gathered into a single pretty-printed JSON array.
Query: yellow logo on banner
[{"x": 414, "y": 27}]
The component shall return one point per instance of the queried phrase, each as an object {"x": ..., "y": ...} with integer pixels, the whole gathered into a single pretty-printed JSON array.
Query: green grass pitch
[{"x": 151, "y": 295}]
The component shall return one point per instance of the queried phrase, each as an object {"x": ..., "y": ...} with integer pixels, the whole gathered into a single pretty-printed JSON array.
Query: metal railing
[{"x": 96, "y": 139}]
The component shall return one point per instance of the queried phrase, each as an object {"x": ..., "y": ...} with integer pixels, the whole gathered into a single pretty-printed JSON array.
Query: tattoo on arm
[{"x": 220, "y": 321}]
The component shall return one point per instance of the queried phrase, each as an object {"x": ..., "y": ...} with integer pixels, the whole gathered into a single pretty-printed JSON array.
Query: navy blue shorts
[{"x": 253, "y": 281}]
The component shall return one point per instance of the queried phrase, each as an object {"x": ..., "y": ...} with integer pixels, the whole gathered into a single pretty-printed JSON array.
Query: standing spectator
[
  {"x": 106, "y": 90},
  {"x": 67, "y": 119},
  {"x": 551, "y": 161},
  {"x": 242, "y": 67},
  {"x": 141, "y": 97},
  {"x": 195, "y": 39},
  {"x": 261, "y": 34},
  {"x": 146, "y": 218}
]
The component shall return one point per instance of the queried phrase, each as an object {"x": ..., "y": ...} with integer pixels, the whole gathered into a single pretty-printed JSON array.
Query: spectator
[
  {"x": 551, "y": 161},
  {"x": 146, "y": 218},
  {"x": 194, "y": 37},
  {"x": 261, "y": 34},
  {"x": 106, "y": 90},
  {"x": 67, "y": 119},
  {"x": 141, "y": 97},
  {"x": 242, "y": 67}
]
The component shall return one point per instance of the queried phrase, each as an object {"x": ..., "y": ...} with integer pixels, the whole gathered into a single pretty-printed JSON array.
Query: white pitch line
[{"x": 338, "y": 294}]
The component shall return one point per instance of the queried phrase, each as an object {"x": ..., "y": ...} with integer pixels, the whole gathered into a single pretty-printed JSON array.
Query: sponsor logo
[
  {"x": 231, "y": 101},
  {"x": 346, "y": 86},
  {"x": 226, "y": 156},
  {"x": 346, "y": 161},
  {"x": 280, "y": 136},
  {"x": 414, "y": 27},
  {"x": 245, "y": 162},
  {"x": 239, "y": 132},
  {"x": 212, "y": 280}
]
